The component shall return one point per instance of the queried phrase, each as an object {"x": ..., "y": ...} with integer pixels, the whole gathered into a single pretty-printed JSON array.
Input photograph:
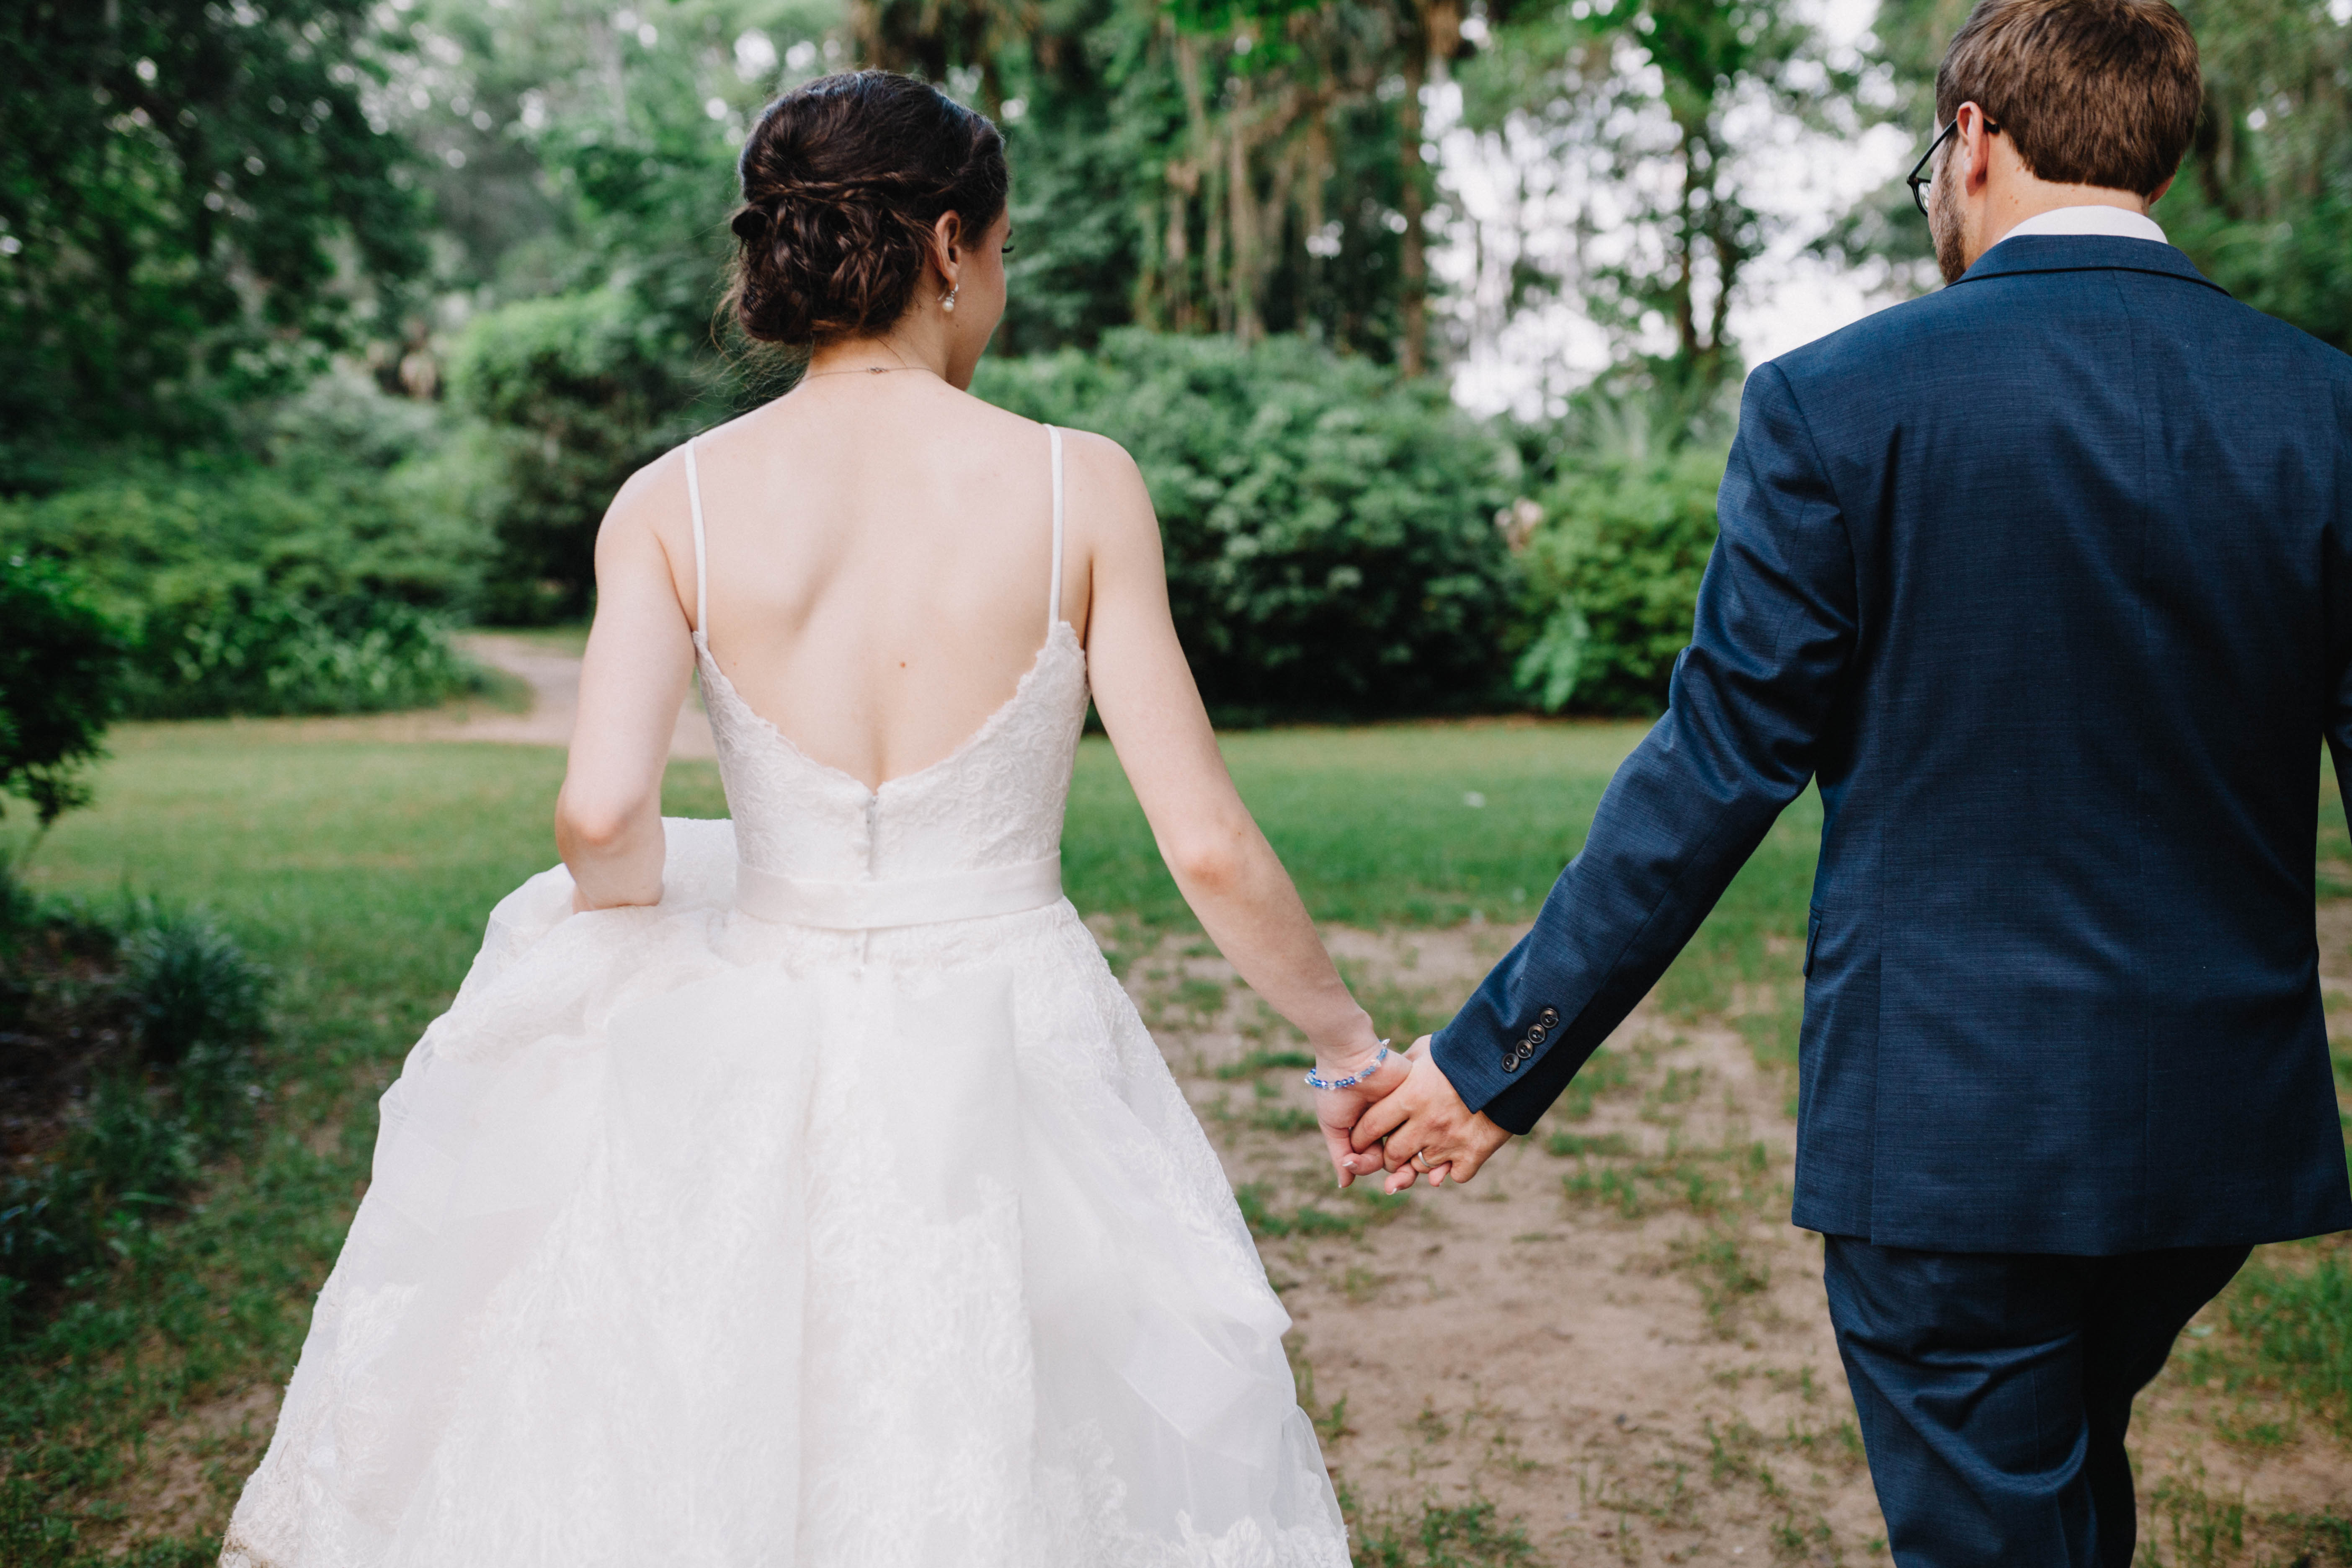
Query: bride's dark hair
[{"x": 843, "y": 179}]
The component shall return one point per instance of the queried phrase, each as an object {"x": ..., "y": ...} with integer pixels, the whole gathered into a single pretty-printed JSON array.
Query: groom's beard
[{"x": 1944, "y": 223}]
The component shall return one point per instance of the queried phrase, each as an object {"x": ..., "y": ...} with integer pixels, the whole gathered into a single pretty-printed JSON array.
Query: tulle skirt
[{"x": 698, "y": 1240}]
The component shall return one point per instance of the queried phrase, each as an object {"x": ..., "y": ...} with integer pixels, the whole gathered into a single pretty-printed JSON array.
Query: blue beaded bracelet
[{"x": 1313, "y": 1081}]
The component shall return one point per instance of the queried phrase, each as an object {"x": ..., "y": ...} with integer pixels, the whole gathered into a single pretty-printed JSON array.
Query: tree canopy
[{"x": 195, "y": 208}]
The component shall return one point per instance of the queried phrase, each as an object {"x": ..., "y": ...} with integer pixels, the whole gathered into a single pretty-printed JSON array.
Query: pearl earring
[{"x": 947, "y": 301}]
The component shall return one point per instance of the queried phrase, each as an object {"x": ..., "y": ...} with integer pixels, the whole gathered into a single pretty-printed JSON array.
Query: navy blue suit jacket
[{"x": 2047, "y": 578}]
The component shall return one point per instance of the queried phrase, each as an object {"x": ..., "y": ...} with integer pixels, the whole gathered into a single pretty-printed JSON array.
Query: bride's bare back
[
  {"x": 878, "y": 552},
  {"x": 879, "y": 543}
]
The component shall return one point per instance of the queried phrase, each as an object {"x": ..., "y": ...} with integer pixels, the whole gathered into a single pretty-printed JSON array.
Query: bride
[{"x": 803, "y": 1189}]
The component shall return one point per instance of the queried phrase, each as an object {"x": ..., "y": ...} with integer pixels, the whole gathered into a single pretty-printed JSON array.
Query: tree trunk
[
  {"x": 1412, "y": 355},
  {"x": 1241, "y": 210},
  {"x": 1686, "y": 243}
]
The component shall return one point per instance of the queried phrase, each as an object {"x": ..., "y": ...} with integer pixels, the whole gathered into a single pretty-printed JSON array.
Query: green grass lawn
[{"x": 361, "y": 872}]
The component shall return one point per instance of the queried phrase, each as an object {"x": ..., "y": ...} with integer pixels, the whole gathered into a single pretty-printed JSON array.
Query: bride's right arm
[
  {"x": 632, "y": 681},
  {"x": 1144, "y": 690}
]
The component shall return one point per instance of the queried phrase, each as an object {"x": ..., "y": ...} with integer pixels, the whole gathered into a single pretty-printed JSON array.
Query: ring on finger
[{"x": 1421, "y": 1160}]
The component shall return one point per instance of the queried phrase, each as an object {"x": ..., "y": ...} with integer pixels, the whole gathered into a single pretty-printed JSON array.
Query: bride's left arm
[{"x": 632, "y": 681}]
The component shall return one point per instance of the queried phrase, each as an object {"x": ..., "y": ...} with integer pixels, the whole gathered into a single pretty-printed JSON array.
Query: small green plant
[
  {"x": 2202, "y": 1531},
  {"x": 1604, "y": 1072},
  {"x": 1467, "y": 1535},
  {"x": 130, "y": 1043},
  {"x": 1573, "y": 1145},
  {"x": 2290, "y": 1328},
  {"x": 1258, "y": 1062},
  {"x": 1200, "y": 997},
  {"x": 1365, "y": 1205},
  {"x": 1283, "y": 1118}
]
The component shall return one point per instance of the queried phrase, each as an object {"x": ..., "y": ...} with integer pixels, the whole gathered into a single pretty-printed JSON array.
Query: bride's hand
[{"x": 1337, "y": 1110}]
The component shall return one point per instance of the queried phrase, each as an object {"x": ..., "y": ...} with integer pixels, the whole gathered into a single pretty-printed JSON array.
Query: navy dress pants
[{"x": 1994, "y": 1390}]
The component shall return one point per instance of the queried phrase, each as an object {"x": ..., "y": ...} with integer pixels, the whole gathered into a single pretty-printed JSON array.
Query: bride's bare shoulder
[
  {"x": 652, "y": 499},
  {"x": 1105, "y": 488},
  {"x": 655, "y": 497}
]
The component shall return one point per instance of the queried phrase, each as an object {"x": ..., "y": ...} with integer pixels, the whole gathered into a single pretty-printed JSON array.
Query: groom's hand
[{"x": 1425, "y": 1117}]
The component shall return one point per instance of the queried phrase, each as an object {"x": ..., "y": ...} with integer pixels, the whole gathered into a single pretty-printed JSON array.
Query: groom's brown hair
[{"x": 2092, "y": 92}]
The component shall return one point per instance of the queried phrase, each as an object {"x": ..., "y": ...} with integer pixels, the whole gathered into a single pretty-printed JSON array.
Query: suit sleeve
[
  {"x": 1749, "y": 701},
  {"x": 2337, "y": 567}
]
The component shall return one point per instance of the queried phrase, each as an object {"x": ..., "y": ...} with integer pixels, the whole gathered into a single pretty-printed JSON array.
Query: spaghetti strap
[
  {"x": 1053, "y": 591},
  {"x": 701, "y": 575}
]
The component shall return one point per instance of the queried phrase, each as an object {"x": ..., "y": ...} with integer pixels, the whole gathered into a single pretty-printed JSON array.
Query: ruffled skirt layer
[{"x": 697, "y": 1240}]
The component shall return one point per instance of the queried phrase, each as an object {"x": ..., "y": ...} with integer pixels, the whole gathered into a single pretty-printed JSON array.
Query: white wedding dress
[{"x": 835, "y": 1212}]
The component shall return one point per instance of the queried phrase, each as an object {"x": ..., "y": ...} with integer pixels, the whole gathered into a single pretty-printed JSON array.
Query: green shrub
[
  {"x": 232, "y": 645},
  {"x": 60, "y": 682},
  {"x": 1329, "y": 534},
  {"x": 577, "y": 392},
  {"x": 322, "y": 582},
  {"x": 1612, "y": 570}
]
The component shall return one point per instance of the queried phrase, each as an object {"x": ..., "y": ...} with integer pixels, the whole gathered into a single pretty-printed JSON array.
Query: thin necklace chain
[
  {"x": 863, "y": 370},
  {"x": 871, "y": 369}
]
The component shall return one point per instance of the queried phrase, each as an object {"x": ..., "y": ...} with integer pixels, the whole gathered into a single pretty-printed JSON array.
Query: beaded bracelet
[{"x": 1313, "y": 1081}]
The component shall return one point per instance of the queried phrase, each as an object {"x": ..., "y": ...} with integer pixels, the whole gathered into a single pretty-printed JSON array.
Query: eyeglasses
[{"x": 1919, "y": 182}]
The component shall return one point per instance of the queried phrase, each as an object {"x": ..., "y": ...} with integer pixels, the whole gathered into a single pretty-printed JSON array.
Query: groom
[{"x": 2047, "y": 580}]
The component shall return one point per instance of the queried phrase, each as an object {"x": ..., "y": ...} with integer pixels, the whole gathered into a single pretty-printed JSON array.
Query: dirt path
[
  {"x": 554, "y": 681},
  {"x": 1614, "y": 1336}
]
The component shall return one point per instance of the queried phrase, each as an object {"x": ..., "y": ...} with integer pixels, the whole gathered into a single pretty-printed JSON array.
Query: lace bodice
[{"x": 995, "y": 802}]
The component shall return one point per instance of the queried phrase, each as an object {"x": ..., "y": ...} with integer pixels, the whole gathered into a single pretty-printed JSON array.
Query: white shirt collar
[{"x": 2116, "y": 223}]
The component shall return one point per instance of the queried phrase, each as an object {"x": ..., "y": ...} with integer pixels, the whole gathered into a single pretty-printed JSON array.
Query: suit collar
[{"x": 2085, "y": 253}]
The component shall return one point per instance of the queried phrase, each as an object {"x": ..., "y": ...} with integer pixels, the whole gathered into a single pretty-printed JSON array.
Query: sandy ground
[
  {"x": 554, "y": 681},
  {"x": 1612, "y": 1337},
  {"x": 1613, "y": 1334}
]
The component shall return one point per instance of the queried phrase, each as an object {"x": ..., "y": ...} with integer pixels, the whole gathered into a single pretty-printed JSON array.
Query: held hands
[{"x": 1420, "y": 1116}]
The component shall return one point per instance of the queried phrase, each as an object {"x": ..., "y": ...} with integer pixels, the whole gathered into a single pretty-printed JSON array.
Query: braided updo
[{"x": 843, "y": 179}]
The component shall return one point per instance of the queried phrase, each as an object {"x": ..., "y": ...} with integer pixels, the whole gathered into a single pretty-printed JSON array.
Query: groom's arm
[
  {"x": 1749, "y": 698},
  {"x": 2336, "y": 574}
]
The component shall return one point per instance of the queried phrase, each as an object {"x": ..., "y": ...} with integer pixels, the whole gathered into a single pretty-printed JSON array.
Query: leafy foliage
[
  {"x": 578, "y": 392},
  {"x": 319, "y": 582},
  {"x": 2266, "y": 206},
  {"x": 1643, "y": 99},
  {"x": 1330, "y": 547},
  {"x": 127, "y": 1046},
  {"x": 1612, "y": 551},
  {"x": 60, "y": 681},
  {"x": 192, "y": 200}
]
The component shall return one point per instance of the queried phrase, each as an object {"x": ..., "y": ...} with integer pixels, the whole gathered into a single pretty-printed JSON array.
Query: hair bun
[{"x": 843, "y": 179}]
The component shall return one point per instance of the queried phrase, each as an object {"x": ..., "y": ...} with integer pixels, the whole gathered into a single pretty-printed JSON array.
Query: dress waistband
[{"x": 909, "y": 902}]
